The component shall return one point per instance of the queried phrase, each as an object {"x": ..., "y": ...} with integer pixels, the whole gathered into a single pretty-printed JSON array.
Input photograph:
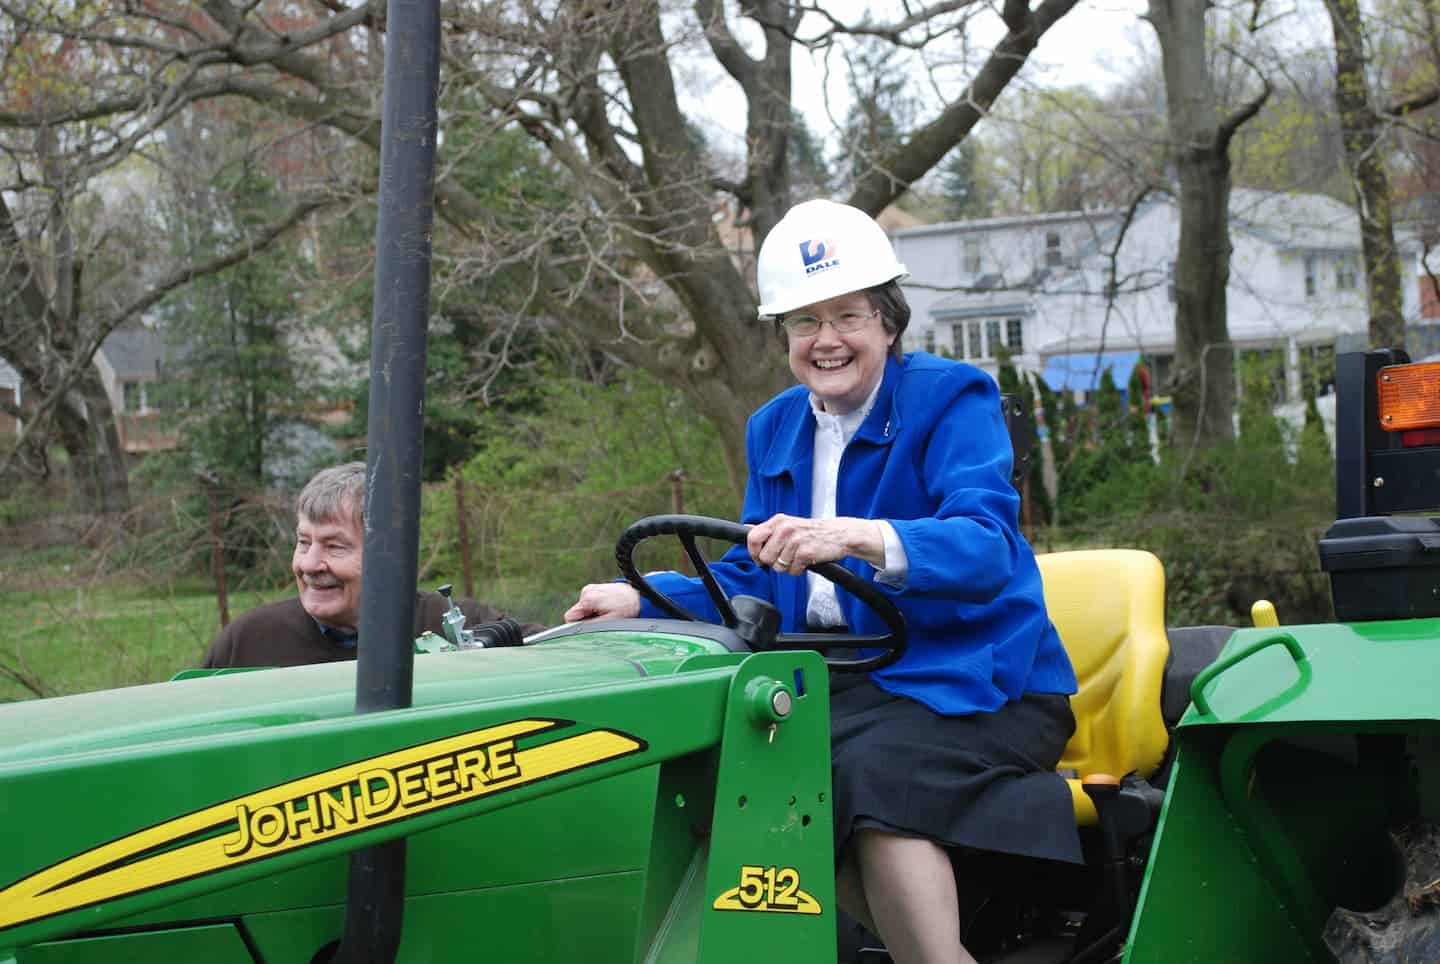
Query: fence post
[
  {"x": 217, "y": 558},
  {"x": 464, "y": 526}
]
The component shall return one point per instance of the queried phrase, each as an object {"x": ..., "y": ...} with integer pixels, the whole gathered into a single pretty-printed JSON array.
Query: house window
[
  {"x": 980, "y": 340},
  {"x": 1052, "y": 248},
  {"x": 930, "y": 340},
  {"x": 973, "y": 347},
  {"x": 1345, "y": 275},
  {"x": 1312, "y": 271},
  {"x": 134, "y": 396},
  {"x": 1159, "y": 367},
  {"x": 992, "y": 337},
  {"x": 972, "y": 256},
  {"x": 1014, "y": 335},
  {"x": 1170, "y": 280}
]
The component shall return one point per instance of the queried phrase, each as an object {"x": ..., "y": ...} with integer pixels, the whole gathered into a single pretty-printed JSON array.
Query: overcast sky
[{"x": 1093, "y": 45}]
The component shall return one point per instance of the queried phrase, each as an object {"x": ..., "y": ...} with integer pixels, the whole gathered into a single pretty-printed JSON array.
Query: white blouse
[{"x": 832, "y": 434}]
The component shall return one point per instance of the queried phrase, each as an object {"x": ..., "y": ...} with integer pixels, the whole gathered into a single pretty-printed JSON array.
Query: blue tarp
[{"x": 1079, "y": 372}]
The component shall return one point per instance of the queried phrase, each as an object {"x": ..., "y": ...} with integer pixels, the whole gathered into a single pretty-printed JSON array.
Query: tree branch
[
  {"x": 893, "y": 31},
  {"x": 25, "y": 679},
  {"x": 1414, "y": 102},
  {"x": 724, "y": 46},
  {"x": 19, "y": 278},
  {"x": 887, "y": 180},
  {"x": 1227, "y": 128}
]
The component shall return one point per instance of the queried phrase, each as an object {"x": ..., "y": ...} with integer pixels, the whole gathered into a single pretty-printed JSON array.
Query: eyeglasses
[{"x": 804, "y": 326}]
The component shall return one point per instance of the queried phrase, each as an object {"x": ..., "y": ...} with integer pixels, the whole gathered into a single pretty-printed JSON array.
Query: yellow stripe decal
[{"x": 314, "y": 809}]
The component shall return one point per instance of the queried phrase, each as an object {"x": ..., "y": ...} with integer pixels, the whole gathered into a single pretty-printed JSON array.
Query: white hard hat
[{"x": 821, "y": 249}]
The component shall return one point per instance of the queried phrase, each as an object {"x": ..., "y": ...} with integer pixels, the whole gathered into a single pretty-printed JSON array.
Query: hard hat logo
[{"x": 818, "y": 254}]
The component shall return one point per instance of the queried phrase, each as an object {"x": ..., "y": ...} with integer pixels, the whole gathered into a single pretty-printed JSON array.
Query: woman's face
[{"x": 840, "y": 368}]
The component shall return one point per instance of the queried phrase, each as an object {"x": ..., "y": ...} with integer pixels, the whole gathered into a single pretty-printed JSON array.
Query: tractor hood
[
  {"x": 565, "y": 658},
  {"x": 1355, "y": 672}
]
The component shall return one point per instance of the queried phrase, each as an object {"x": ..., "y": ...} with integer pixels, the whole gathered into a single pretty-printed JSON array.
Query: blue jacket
[{"x": 933, "y": 458}]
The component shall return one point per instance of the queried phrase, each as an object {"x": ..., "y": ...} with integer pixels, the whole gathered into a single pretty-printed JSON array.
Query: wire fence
[{"x": 525, "y": 551}]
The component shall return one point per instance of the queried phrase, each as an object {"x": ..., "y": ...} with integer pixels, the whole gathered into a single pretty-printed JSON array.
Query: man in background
[{"x": 321, "y": 624}]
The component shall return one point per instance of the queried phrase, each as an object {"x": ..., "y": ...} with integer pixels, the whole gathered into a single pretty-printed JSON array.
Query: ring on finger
[{"x": 782, "y": 563}]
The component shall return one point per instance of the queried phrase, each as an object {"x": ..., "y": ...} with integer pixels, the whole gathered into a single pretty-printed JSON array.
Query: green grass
[{"x": 78, "y": 638}]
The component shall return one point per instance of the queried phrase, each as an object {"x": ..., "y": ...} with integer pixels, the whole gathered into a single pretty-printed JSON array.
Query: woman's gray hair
[
  {"x": 333, "y": 493},
  {"x": 894, "y": 310}
]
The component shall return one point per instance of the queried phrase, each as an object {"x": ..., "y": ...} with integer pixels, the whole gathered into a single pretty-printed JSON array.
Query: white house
[
  {"x": 1037, "y": 285},
  {"x": 129, "y": 362}
]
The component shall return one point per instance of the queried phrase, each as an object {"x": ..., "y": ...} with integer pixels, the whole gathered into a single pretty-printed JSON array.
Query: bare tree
[
  {"x": 1071, "y": 149},
  {"x": 1204, "y": 375},
  {"x": 73, "y": 133},
  {"x": 636, "y": 265}
]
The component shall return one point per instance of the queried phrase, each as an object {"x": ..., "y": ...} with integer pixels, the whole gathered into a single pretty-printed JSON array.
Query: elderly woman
[{"x": 898, "y": 467}]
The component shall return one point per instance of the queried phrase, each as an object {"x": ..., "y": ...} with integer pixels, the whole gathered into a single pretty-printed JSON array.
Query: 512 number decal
[{"x": 772, "y": 889}]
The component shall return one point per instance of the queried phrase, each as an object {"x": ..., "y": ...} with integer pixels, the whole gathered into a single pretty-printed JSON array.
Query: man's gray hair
[{"x": 332, "y": 493}]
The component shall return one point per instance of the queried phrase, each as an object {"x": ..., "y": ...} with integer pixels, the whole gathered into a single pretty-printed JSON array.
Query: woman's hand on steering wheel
[
  {"x": 792, "y": 544},
  {"x": 604, "y": 600}
]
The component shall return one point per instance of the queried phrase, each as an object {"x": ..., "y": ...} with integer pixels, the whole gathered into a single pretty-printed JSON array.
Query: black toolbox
[{"x": 1383, "y": 567}]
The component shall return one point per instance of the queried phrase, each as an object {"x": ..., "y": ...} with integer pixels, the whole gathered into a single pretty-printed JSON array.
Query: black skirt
[{"x": 983, "y": 782}]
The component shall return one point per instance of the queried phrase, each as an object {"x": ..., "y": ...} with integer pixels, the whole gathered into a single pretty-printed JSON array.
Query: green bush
[
  {"x": 553, "y": 488},
  {"x": 1231, "y": 524}
]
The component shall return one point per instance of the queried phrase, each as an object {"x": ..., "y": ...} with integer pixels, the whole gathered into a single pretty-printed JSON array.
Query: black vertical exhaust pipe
[{"x": 384, "y": 674}]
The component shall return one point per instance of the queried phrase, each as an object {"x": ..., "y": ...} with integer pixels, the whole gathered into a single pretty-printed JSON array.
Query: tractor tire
[{"x": 1406, "y": 928}]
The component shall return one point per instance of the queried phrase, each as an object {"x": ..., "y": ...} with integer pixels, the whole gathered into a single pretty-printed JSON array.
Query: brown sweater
[{"x": 284, "y": 634}]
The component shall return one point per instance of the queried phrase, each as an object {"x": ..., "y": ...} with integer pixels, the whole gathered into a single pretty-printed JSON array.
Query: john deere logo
[
  {"x": 818, "y": 254},
  {"x": 314, "y": 809},
  {"x": 374, "y": 795}
]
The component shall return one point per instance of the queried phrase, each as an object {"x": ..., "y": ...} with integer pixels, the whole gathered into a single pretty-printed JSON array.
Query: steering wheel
[{"x": 687, "y": 527}]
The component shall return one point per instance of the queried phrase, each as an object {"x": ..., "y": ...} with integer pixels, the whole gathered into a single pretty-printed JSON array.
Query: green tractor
[{"x": 658, "y": 790}]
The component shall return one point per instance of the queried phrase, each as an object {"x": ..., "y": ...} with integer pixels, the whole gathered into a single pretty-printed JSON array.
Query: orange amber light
[{"x": 1409, "y": 396}]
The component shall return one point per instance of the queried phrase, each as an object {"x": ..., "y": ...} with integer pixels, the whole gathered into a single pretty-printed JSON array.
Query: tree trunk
[
  {"x": 39, "y": 325},
  {"x": 1204, "y": 373},
  {"x": 1361, "y": 130},
  {"x": 1204, "y": 369},
  {"x": 85, "y": 429}
]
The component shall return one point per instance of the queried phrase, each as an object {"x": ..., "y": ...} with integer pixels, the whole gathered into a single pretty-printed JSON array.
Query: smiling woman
[
  {"x": 843, "y": 356},
  {"x": 897, "y": 467},
  {"x": 329, "y": 546}
]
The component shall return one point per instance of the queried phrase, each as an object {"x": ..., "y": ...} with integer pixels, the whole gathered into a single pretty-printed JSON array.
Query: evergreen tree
[
  {"x": 485, "y": 345},
  {"x": 1260, "y": 428},
  {"x": 1109, "y": 408},
  {"x": 1110, "y": 453},
  {"x": 1050, "y": 431},
  {"x": 235, "y": 382},
  {"x": 1016, "y": 383},
  {"x": 810, "y": 175},
  {"x": 1313, "y": 456},
  {"x": 960, "y": 185},
  {"x": 1137, "y": 429},
  {"x": 880, "y": 109}
]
